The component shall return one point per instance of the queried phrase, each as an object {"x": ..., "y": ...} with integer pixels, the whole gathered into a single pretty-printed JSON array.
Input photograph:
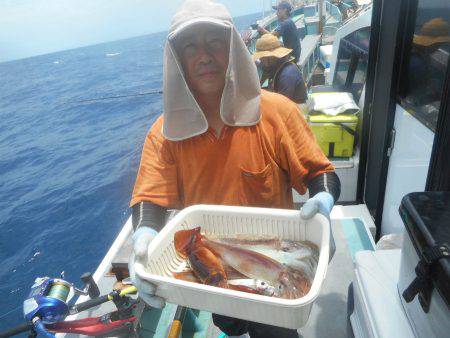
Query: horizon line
[{"x": 98, "y": 43}]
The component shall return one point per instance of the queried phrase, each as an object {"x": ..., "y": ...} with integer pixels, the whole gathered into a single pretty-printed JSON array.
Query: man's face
[
  {"x": 282, "y": 13},
  {"x": 269, "y": 62},
  {"x": 203, "y": 52}
]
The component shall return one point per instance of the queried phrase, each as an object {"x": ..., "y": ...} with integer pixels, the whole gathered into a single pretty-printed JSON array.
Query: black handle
[
  {"x": 89, "y": 304},
  {"x": 90, "y": 285},
  {"x": 16, "y": 330}
]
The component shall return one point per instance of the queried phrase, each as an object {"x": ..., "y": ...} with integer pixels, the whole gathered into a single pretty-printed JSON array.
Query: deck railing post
[{"x": 320, "y": 16}]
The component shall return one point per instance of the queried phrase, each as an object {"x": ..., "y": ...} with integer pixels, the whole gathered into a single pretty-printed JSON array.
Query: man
[
  {"x": 425, "y": 79},
  {"x": 286, "y": 29},
  {"x": 278, "y": 67},
  {"x": 221, "y": 140}
]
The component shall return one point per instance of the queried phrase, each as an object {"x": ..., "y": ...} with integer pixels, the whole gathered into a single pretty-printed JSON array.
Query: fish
[
  {"x": 185, "y": 240},
  {"x": 207, "y": 258},
  {"x": 207, "y": 267},
  {"x": 254, "y": 265},
  {"x": 297, "y": 255}
]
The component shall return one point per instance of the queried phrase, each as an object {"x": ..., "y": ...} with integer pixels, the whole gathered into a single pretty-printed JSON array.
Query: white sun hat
[{"x": 183, "y": 117}]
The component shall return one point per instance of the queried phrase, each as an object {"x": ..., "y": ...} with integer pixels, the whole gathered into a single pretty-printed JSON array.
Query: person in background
[
  {"x": 286, "y": 29},
  {"x": 222, "y": 140},
  {"x": 279, "y": 69},
  {"x": 425, "y": 77}
]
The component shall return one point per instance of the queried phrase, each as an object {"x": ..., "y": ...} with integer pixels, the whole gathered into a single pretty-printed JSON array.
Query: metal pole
[{"x": 320, "y": 16}]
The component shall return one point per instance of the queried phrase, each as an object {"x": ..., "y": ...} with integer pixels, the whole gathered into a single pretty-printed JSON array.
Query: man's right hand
[
  {"x": 262, "y": 30},
  {"x": 141, "y": 240}
]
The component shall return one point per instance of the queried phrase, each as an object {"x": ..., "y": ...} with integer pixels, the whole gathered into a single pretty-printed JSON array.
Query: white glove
[
  {"x": 146, "y": 290},
  {"x": 321, "y": 203}
]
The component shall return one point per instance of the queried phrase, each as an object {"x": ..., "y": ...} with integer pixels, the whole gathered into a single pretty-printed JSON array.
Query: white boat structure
[{"x": 360, "y": 296}]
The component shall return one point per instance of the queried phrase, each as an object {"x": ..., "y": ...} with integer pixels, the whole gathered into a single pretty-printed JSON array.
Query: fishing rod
[
  {"x": 119, "y": 323},
  {"x": 152, "y": 92},
  {"x": 103, "y": 98},
  {"x": 49, "y": 303}
]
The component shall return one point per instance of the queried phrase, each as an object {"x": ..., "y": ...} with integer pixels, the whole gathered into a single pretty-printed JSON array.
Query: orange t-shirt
[{"x": 249, "y": 166}]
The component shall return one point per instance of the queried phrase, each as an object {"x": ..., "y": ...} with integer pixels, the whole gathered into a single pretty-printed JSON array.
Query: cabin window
[
  {"x": 352, "y": 62},
  {"x": 426, "y": 59}
]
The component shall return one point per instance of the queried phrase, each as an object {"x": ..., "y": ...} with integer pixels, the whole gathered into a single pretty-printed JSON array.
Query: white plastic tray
[{"x": 227, "y": 220}]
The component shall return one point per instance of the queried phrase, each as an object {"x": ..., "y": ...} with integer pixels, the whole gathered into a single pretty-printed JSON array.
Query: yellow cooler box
[{"x": 335, "y": 134}]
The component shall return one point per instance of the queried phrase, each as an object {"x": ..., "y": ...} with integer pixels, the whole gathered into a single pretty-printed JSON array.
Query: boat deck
[{"x": 329, "y": 313}]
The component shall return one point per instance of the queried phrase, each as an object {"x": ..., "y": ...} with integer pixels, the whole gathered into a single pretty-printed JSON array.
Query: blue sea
[{"x": 67, "y": 165}]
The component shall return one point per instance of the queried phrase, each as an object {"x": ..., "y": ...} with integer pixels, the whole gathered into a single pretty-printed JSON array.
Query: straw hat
[
  {"x": 434, "y": 31},
  {"x": 269, "y": 45}
]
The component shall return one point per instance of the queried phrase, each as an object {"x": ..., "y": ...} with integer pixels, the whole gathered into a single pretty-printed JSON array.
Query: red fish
[
  {"x": 185, "y": 240},
  {"x": 207, "y": 267}
]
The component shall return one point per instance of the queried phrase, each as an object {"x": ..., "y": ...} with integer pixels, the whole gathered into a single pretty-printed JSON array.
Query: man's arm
[
  {"x": 147, "y": 214},
  {"x": 324, "y": 191},
  {"x": 327, "y": 182},
  {"x": 262, "y": 30}
]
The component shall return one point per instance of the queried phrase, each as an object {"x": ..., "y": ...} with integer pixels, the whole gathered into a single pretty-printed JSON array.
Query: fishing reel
[{"x": 48, "y": 300}]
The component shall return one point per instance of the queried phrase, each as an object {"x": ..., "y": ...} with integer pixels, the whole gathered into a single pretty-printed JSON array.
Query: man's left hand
[{"x": 321, "y": 203}]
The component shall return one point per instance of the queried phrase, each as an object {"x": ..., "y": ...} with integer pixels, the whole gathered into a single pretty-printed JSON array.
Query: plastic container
[
  {"x": 335, "y": 134},
  {"x": 227, "y": 220},
  {"x": 378, "y": 310},
  {"x": 426, "y": 216}
]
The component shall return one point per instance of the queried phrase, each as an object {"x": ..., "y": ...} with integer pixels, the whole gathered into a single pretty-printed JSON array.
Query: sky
[{"x": 34, "y": 27}]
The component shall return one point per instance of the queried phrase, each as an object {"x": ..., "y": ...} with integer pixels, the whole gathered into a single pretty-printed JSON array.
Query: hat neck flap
[{"x": 183, "y": 117}]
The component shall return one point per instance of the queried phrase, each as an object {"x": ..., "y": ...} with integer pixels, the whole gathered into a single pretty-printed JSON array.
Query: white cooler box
[
  {"x": 427, "y": 239},
  {"x": 378, "y": 310},
  {"x": 227, "y": 220}
]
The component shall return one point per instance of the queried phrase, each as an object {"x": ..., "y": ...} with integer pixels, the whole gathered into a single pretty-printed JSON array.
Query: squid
[
  {"x": 288, "y": 284},
  {"x": 207, "y": 258}
]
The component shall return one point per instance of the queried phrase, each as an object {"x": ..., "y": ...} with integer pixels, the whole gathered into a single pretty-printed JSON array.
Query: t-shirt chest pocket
[{"x": 257, "y": 187}]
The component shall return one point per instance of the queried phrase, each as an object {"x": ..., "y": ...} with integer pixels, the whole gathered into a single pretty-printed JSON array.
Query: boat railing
[
  {"x": 356, "y": 12},
  {"x": 311, "y": 42},
  {"x": 332, "y": 11},
  {"x": 309, "y": 57}
]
